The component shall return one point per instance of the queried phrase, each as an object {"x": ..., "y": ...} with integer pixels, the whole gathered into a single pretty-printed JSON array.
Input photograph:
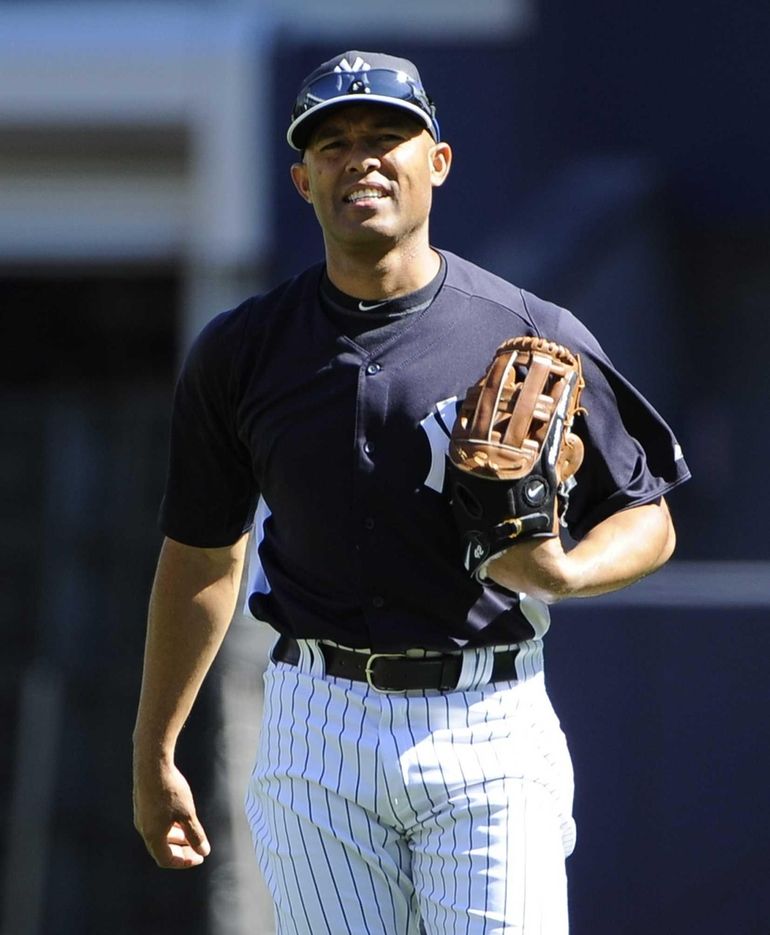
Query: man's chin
[{"x": 367, "y": 233}]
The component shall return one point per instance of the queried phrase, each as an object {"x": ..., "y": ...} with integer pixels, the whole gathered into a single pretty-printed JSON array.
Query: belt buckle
[{"x": 368, "y": 672}]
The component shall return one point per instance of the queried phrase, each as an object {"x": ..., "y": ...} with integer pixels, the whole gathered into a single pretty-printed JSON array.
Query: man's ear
[
  {"x": 440, "y": 163},
  {"x": 301, "y": 181}
]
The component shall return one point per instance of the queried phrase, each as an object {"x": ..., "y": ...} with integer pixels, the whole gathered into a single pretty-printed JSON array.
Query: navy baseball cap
[{"x": 371, "y": 77}]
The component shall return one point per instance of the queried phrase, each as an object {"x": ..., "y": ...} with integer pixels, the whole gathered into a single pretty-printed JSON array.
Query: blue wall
[{"x": 664, "y": 710}]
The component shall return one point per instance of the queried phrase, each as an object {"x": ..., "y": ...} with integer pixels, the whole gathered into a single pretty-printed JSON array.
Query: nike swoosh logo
[{"x": 368, "y": 308}]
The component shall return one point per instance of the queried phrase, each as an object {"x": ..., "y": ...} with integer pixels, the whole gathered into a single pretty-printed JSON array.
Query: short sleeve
[
  {"x": 631, "y": 455},
  {"x": 210, "y": 492}
]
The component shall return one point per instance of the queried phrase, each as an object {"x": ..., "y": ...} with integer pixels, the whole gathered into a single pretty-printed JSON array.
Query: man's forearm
[
  {"x": 192, "y": 602},
  {"x": 614, "y": 554},
  {"x": 623, "y": 549}
]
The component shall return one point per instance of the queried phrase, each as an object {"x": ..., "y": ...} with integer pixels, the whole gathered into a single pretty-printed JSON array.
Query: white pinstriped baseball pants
[{"x": 425, "y": 812}]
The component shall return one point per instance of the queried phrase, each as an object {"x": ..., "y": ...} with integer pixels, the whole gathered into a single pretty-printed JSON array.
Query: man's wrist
[
  {"x": 539, "y": 568},
  {"x": 152, "y": 748}
]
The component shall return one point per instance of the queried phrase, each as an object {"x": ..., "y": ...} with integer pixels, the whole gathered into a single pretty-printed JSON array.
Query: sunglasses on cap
[{"x": 376, "y": 85}]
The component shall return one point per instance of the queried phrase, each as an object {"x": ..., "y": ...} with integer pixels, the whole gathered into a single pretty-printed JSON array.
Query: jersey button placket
[
  {"x": 373, "y": 402},
  {"x": 371, "y": 369}
]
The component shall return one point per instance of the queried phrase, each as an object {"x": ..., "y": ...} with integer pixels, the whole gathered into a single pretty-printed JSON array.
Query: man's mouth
[{"x": 364, "y": 194}]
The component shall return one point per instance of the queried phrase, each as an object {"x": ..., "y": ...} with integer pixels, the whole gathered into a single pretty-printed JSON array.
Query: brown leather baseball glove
[{"x": 512, "y": 455}]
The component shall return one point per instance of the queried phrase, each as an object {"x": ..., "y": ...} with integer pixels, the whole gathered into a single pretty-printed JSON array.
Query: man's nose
[{"x": 361, "y": 157}]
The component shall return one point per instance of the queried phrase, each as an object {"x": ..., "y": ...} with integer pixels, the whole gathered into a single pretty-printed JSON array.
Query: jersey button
[
  {"x": 378, "y": 601},
  {"x": 371, "y": 369},
  {"x": 369, "y": 523},
  {"x": 368, "y": 447}
]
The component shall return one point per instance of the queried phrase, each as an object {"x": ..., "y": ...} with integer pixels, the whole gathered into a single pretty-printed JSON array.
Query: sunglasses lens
[{"x": 379, "y": 81}]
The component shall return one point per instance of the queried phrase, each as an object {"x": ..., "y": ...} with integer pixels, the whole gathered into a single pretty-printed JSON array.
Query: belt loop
[
  {"x": 476, "y": 668},
  {"x": 529, "y": 660},
  {"x": 311, "y": 659}
]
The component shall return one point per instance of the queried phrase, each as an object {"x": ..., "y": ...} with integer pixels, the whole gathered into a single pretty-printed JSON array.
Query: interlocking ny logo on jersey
[
  {"x": 437, "y": 425},
  {"x": 358, "y": 65}
]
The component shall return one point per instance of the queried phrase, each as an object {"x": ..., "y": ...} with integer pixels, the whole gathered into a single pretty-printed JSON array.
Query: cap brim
[{"x": 296, "y": 135}]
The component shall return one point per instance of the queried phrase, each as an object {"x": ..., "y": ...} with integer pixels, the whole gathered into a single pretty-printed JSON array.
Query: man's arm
[
  {"x": 617, "y": 552},
  {"x": 192, "y": 603}
]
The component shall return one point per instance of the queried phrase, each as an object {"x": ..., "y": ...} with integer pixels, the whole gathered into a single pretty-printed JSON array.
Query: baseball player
[{"x": 411, "y": 774}]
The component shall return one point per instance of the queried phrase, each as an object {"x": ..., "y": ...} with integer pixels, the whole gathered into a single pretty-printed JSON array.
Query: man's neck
[{"x": 382, "y": 276}]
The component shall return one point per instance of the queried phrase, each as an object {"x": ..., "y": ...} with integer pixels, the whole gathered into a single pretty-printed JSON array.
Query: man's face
[{"x": 369, "y": 171}]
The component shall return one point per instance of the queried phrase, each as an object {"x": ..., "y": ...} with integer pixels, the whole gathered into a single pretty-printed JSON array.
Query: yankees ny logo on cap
[{"x": 358, "y": 65}]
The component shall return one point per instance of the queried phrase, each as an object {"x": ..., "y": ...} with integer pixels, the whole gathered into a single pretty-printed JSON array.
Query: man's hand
[
  {"x": 165, "y": 817},
  {"x": 617, "y": 552}
]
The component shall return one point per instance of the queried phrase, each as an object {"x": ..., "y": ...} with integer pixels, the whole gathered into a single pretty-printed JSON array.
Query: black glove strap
[{"x": 492, "y": 515}]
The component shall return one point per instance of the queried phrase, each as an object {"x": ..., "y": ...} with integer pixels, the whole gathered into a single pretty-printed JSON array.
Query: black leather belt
[{"x": 395, "y": 672}]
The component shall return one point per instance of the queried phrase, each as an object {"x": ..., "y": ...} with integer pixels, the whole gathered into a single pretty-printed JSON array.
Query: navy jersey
[{"x": 335, "y": 453}]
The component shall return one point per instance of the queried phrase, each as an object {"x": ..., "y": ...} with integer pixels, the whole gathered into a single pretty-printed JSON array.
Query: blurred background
[{"x": 612, "y": 158}]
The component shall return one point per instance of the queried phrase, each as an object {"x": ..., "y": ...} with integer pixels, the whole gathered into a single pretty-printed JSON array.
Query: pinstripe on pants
[{"x": 443, "y": 813}]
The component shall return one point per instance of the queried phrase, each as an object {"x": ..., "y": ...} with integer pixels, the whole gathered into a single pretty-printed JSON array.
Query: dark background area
[
  {"x": 662, "y": 708},
  {"x": 86, "y": 372},
  {"x": 613, "y": 161}
]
